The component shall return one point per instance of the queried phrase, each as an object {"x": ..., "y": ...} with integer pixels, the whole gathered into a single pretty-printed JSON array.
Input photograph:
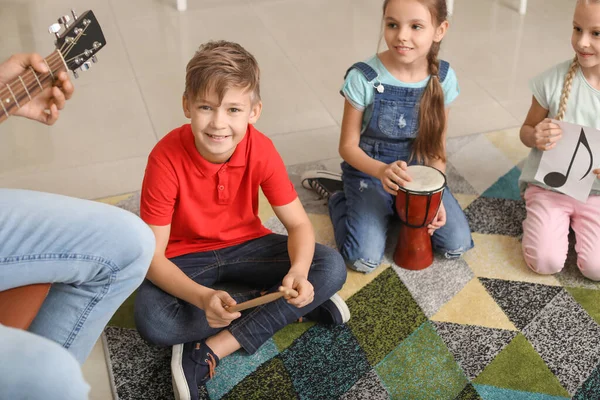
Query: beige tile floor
[{"x": 131, "y": 98}]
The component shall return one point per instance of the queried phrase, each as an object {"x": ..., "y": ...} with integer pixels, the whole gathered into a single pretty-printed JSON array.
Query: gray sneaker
[{"x": 324, "y": 183}]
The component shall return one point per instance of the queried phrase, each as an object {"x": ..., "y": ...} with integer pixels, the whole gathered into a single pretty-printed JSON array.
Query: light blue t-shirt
[
  {"x": 359, "y": 92},
  {"x": 583, "y": 107}
]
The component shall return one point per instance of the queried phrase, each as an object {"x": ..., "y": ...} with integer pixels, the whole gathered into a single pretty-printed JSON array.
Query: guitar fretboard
[{"x": 16, "y": 94}]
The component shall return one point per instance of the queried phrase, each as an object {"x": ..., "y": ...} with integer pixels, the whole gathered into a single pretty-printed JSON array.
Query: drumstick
[{"x": 267, "y": 298}]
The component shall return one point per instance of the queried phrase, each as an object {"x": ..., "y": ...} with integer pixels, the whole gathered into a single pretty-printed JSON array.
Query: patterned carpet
[{"x": 480, "y": 327}]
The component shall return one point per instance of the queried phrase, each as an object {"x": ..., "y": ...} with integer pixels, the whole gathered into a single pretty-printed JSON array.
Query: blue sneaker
[
  {"x": 332, "y": 312},
  {"x": 192, "y": 365}
]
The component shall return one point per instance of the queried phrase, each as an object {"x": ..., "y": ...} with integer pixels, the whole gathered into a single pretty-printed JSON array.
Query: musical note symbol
[{"x": 557, "y": 179}]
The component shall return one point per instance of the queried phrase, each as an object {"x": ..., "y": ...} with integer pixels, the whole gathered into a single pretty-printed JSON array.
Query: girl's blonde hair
[
  {"x": 566, "y": 90},
  {"x": 432, "y": 115}
]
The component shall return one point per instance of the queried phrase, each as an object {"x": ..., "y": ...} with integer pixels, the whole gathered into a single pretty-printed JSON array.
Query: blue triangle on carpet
[
  {"x": 493, "y": 393},
  {"x": 590, "y": 388},
  {"x": 506, "y": 187}
]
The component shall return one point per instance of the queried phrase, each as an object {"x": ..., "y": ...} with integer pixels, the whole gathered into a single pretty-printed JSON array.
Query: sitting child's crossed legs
[{"x": 261, "y": 264}]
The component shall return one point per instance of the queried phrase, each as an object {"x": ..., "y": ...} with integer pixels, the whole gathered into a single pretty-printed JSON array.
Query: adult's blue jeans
[{"x": 95, "y": 256}]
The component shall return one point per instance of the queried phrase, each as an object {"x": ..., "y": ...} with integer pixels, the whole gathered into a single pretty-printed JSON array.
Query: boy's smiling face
[{"x": 219, "y": 126}]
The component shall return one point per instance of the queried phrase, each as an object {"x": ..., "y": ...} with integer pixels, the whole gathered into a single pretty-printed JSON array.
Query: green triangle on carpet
[
  {"x": 421, "y": 367},
  {"x": 468, "y": 393},
  {"x": 507, "y": 187},
  {"x": 383, "y": 314},
  {"x": 520, "y": 367},
  {"x": 589, "y": 299},
  {"x": 270, "y": 380},
  {"x": 284, "y": 338}
]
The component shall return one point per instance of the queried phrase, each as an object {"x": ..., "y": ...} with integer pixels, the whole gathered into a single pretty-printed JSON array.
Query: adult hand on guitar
[{"x": 45, "y": 106}]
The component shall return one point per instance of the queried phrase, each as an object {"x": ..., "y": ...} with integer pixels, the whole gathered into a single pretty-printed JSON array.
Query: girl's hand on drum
[
  {"x": 546, "y": 134},
  {"x": 597, "y": 172},
  {"x": 438, "y": 221},
  {"x": 393, "y": 176}
]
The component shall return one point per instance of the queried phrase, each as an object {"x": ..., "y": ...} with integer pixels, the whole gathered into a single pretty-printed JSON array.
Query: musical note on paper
[
  {"x": 557, "y": 179},
  {"x": 567, "y": 168}
]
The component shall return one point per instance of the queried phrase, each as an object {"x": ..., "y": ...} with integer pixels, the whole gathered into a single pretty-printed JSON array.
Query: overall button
[{"x": 221, "y": 187}]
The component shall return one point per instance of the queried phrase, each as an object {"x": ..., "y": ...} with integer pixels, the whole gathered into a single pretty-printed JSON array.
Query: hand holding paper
[{"x": 566, "y": 165}]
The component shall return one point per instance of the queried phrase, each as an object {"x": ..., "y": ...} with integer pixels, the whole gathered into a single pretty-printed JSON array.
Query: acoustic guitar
[{"x": 76, "y": 47}]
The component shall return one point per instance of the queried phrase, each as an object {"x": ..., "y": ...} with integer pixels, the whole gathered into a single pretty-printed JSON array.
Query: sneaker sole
[
  {"x": 180, "y": 386},
  {"x": 318, "y": 174},
  {"x": 342, "y": 307}
]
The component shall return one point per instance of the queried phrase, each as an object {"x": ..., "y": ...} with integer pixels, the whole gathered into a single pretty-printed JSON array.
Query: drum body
[{"x": 417, "y": 204}]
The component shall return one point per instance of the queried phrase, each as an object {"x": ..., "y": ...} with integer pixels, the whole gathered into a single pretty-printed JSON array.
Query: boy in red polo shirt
[{"x": 200, "y": 197}]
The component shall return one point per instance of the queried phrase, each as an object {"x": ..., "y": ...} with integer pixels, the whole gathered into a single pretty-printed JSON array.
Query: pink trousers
[{"x": 546, "y": 230}]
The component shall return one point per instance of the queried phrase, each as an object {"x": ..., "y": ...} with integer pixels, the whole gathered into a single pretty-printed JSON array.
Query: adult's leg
[
  {"x": 95, "y": 255},
  {"x": 34, "y": 367}
]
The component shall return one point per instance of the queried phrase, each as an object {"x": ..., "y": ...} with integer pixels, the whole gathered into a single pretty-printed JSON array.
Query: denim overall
[{"x": 361, "y": 214}]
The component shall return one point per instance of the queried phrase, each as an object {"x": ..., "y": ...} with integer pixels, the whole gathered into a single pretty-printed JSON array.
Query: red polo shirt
[{"x": 211, "y": 206}]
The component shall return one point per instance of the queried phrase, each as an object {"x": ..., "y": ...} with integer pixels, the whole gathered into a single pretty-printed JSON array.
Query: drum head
[{"x": 424, "y": 179}]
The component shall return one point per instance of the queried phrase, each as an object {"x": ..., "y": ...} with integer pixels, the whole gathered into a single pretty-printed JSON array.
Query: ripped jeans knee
[
  {"x": 361, "y": 265},
  {"x": 456, "y": 252}
]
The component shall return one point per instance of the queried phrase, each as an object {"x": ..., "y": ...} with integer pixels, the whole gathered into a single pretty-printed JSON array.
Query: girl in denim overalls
[{"x": 395, "y": 113}]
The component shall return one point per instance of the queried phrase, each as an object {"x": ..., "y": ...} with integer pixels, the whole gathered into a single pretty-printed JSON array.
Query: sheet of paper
[{"x": 568, "y": 167}]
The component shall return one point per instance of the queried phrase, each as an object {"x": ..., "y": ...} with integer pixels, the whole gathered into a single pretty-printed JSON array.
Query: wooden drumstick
[{"x": 267, "y": 298}]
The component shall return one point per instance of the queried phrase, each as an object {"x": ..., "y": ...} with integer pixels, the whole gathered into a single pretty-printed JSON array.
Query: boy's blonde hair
[
  {"x": 429, "y": 145},
  {"x": 566, "y": 90},
  {"x": 219, "y": 66}
]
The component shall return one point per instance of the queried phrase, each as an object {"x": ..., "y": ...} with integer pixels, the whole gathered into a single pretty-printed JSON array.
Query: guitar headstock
[{"x": 80, "y": 40}]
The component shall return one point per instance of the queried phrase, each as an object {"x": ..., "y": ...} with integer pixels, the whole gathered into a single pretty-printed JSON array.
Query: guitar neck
[{"x": 25, "y": 87}]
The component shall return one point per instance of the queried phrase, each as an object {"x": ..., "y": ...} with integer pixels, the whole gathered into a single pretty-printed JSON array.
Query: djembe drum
[{"x": 417, "y": 204}]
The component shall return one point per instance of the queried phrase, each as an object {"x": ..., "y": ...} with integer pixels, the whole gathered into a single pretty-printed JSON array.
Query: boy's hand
[
  {"x": 438, "y": 221},
  {"x": 216, "y": 314},
  {"x": 546, "y": 134},
  {"x": 393, "y": 176},
  {"x": 45, "y": 105},
  {"x": 299, "y": 283}
]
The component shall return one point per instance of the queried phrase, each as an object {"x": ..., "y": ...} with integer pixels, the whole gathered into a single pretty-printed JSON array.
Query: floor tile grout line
[
  {"x": 295, "y": 67},
  {"x": 135, "y": 76}
]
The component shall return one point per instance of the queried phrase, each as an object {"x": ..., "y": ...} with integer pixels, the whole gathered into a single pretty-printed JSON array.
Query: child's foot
[
  {"x": 333, "y": 312},
  {"x": 192, "y": 365},
  {"x": 325, "y": 183}
]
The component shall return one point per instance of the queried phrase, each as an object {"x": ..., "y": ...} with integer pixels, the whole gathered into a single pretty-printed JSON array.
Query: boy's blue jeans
[
  {"x": 258, "y": 264},
  {"x": 95, "y": 255},
  {"x": 362, "y": 213}
]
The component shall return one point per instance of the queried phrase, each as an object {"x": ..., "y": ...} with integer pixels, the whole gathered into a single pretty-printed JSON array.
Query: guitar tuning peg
[
  {"x": 64, "y": 20},
  {"x": 54, "y": 28},
  {"x": 94, "y": 59},
  {"x": 75, "y": 16},
  {"x": 85, "y": 66},
  {"x": 75, "y": 74}
]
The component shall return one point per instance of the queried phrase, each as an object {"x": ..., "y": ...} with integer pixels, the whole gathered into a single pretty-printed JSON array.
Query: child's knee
[
  {"x": 589, "y": 267},
  {"x": 457, "y": 245},
  {"x": 365, "y": 255},
  {"x": 335, "y": 271},
  {"x": 544, "y": 262}
]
